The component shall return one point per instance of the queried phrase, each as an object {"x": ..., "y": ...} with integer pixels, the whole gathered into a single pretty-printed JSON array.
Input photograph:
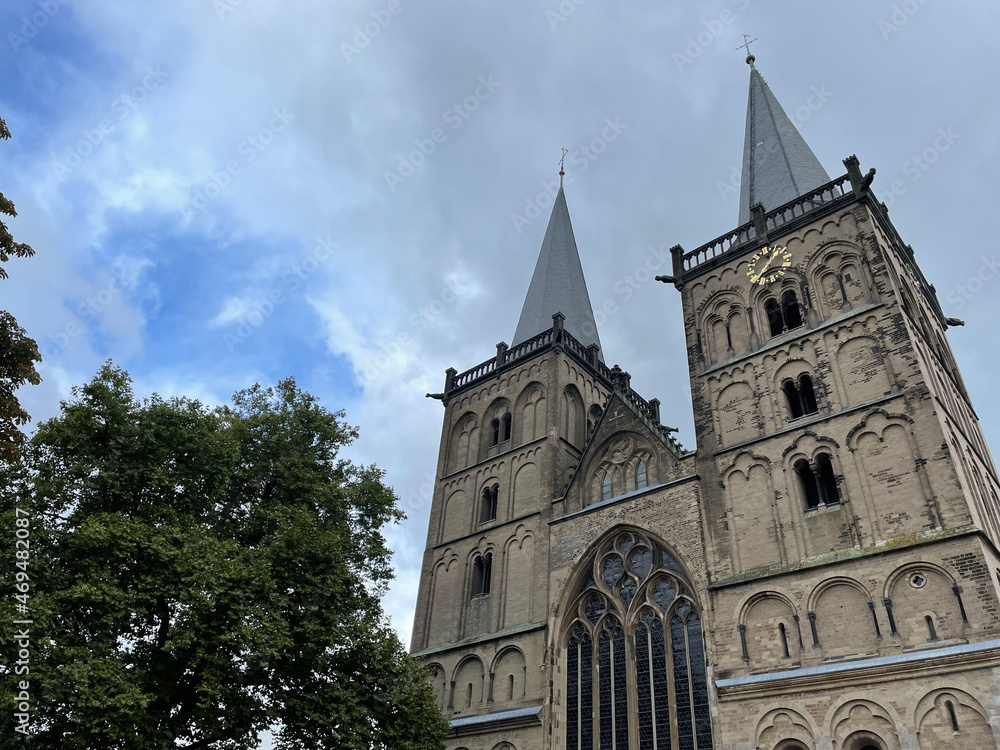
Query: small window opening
[
  {"x": 494, "y": 432},
  {"x": 951, "y": 715},
  {"x": 794, "y": 402},
  {"x": 606, "y": 487},
  {"x": 468, "y": 696},
  {"x": 847, "y": 277},
  {"x": 790, "y": 310},
  {"x": 829, "y": 492},
  {"x": 807, "y": 482},
  {"x": 506, "y": 427},
  {"x": 774, "y": 319},
  {"x": 640, "y": 475},
  {"x": 488, "y": 505},
  {"x": 784, "y": 640},
  {"x": 807, "y": 394},
  {"x": 510, "y": 687},
  {"x": 930, "y": 628},
  {"x": 482, "y": 571}
]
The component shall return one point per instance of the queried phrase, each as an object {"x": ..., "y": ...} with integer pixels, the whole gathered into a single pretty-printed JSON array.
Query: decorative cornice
[
  {"x": 527, "y": 627},
  {"x": 517, "y": 718}
]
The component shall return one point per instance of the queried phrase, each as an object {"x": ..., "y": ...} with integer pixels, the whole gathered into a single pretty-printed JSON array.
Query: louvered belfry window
[{"x": 636, "y": 591}]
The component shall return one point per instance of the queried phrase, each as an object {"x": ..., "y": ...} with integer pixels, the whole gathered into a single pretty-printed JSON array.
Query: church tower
[{"x": 821, "y": 573}]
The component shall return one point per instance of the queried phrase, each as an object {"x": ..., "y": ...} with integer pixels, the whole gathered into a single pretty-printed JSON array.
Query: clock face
[{"x": 768, "y": 264}]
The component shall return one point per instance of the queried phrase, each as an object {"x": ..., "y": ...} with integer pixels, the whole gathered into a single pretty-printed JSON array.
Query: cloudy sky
[{"x": 223, "y": 192}]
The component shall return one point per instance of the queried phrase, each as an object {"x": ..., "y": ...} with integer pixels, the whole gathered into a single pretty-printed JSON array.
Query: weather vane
[
  {"x": 562, "y": 162},
  {"x": 747, "y": 41}
]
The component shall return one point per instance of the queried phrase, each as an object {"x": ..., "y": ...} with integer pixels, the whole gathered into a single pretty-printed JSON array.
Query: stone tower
[{"x": 822, "y": 572}]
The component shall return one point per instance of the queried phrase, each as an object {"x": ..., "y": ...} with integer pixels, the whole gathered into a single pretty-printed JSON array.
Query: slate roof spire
[
  {"x": 778, "y": 165},
  {"x": 558, "y": 285}
]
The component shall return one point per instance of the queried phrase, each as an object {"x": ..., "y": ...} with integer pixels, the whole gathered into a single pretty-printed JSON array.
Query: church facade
[{"x": 821, "y": 572}]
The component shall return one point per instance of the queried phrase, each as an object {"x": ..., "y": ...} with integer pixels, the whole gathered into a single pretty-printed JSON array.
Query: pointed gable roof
[
  {"x": 558, "y": 285},
  {"x": 778, "y": 165}
]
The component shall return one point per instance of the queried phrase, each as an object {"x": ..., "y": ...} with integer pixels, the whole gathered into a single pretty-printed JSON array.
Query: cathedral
[{"x": 821, "y": 572}]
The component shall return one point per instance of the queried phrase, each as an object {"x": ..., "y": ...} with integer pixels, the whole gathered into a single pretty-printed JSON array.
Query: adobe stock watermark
[
  {"x": 580, "y": 158},
  {"x": 961, "y": 294},
  {"x": 818, "y": 96},
  {"x": 455, "y": 116},
  {"x": 419, "y": 321},
  {"x": 224, "y": 7},
  {"x": 713, "y": 29},
  {"x": 31, "y": 25},
  {"x": 249, "y": 149},
  {"x": 86, "y": 312},
  {"x": 122, "y": 108},
  {"x": 363, "y": 35},
  {"x": 263, "y": 309},
  {"x": 918, "y": 164},
  {"x": 562, "y": 12},
  {"x": 899, "y": 17}
]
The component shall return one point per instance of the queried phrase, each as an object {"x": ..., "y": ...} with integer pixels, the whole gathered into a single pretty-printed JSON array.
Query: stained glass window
[{"x": 667, "y": 658}]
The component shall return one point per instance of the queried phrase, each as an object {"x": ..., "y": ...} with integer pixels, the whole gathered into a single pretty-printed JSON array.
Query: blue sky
[{"x": 222, "y": 192}]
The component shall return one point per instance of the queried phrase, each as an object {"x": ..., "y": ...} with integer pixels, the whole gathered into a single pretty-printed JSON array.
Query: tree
[
  {"x": 198, "y": 575},
  {"x": 18, "y": 353}
]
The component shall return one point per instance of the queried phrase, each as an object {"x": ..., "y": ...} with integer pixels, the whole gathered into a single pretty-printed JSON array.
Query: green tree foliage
[
  {"x": 198, "y": 575},
  {"x": 18, "y": 353}
]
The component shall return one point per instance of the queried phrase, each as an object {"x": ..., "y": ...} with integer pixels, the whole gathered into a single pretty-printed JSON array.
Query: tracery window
[
  {"x": 640, "y": 475},
  {"x": 635, "y": 614}
]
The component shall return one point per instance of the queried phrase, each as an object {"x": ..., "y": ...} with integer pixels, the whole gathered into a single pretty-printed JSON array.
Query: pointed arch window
[
  {"x": 640, "y": 475},
  {"x": 634, "y": 614},
  {"x": 606, "y": 487}
]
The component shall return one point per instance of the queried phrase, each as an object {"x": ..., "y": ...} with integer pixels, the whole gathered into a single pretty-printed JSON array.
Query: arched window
[
  {"x": 510, "y": 687},
  {"x": 930, "y": 628},
  {"x": 606, "y": 487},
  {"x": 488, "y": 504},
  {"x": 951, "y": 715},
  {"x": 635, "y": 615},
  {"x": 800, "y": 396},
  {"x": 506, "y": 427},
  {"x": 790, "y": 310},
  {"x": 494, "y": 432},
  {"x": 783, "y": 316},
  {"x": 640, "y": 475},
  {"x": 774, "y": 320},
  {"x": 784, "y": 639},
  {"x": 482, "y": 572},
  {"x": 818, "y": 482}
]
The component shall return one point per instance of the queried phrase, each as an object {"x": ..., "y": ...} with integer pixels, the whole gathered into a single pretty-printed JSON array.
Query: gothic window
[
  {"x": 801, "y": 396},
  {"x": 606, "y": 487},
  {"x": 784, "y": 315},
  {"x": 482, "y": 571},
  {"x": 817, "y": 481},
  {"x": 634, "y": 614},
  {"x": 488, "y": 504},
  {"x": 640, "y": 475}
]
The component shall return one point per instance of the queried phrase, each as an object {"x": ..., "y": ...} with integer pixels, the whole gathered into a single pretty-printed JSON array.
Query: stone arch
[
  {"x": 456, "y": 516},
  {"x": 861, "y": 364},
  {"x": 792, "y": 374},
  {"x": 935, "y": 721},
  {"x": 859, "y": 721},
  {"x": 785, "y": 729},
  {"x": 492, "y": 433},
  {"x": 922, "y": 590},
  {"x": 810, "y": 448},
  {"x": 530, "y": 418},
  {"x": 770, "y": 628},
  {"x": 505, "y": 745},
  {"x": 761, "y": 299},
  {"x": 725, "y": 323},
  {"x": 519, "y": 577},
  {"x": 438, "y": 680},
  {"x": 573, "y": 427},
  {"x": 509, "y": 672},
  {"x": 845, "y": 617},
  {"x": 527, "y": 487},
  {"x": 738, "y": 413},
  {"x": 470, "y": 682},
  {"x": 829, "y": 270},
  {"x": 888, "y": 464},
  {"x": 463, "y": 446},
  {"x": 749, "y": 490},
  {"x": 612, "y": 457},
  {"x": 446, "y": 587}
]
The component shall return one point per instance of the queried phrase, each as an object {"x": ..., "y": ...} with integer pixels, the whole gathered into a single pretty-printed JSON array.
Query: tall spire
[
  {"x": 778, "y": 165},
  {"x": 558, "y": 285}
]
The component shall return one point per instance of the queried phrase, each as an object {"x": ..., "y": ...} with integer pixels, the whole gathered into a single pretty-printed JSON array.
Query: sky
[{"x": 224, "y": 192}]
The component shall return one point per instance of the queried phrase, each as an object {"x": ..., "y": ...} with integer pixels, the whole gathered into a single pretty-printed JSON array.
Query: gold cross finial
[{"x": 747, "y": 41}]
